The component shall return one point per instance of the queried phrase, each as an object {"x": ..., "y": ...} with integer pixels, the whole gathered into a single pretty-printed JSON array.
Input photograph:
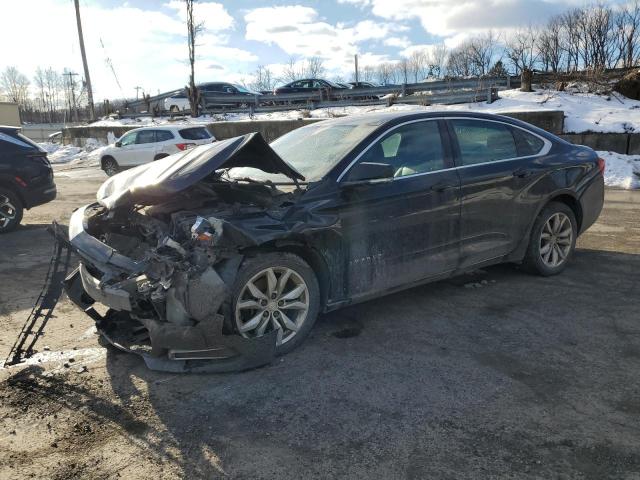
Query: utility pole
[
  {"x": 92, "y": 110},
  {"x": 356, "y": 58},
  {"x": 137, "y": 90}
]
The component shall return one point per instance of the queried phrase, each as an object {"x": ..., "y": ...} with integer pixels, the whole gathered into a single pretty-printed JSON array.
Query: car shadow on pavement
[{"x": 497, "y": 372}]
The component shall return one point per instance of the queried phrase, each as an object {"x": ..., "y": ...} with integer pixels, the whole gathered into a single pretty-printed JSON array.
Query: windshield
[
  {"x": 312, "y": 150},
  {"x": 243, "y": 89}
]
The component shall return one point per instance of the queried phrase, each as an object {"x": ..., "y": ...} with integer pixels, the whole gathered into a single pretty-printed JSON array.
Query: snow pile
[
  {"x": 585, "y": 112},
  {"x": 88, "y": 156},
  {"x": 621, "y": 171}
]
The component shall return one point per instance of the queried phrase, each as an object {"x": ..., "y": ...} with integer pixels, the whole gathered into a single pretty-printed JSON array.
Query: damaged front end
[{"x": 162, "y": 251}]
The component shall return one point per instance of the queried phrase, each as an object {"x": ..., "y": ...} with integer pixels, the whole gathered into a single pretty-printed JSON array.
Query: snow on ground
[
  {"x": 87, "y": 156},
  {"x": 621, "y": 171},
  {"x": 585, "y": 112}
]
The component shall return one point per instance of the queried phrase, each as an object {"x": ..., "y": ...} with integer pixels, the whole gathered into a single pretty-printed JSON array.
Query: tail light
[
  {"x": 601, "y": 165},
  {"x": 21, "y": 182},
  {"x": 184, "y": 146}
]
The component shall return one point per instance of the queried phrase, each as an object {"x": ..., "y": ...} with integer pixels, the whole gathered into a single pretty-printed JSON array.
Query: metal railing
[{"x": 424, "y": 93}]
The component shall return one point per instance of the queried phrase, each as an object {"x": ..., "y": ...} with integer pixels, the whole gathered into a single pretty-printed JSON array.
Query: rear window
[
  {"x": 527, "y": 143},
  {"x": 199, "y": 133},
  {"x": 163, "y": 135}
]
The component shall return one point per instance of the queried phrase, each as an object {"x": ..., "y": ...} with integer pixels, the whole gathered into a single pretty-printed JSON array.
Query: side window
[
  {"x": 146, "y": 136},
  {"x": 128, "y": 139},
  {"x": 527, "y": 143},
  {"x": 409, "y": 149},
  {"x": 296, "y": 85},
  {"x": 228, "y": 89},
  {"x": 163, "y": 135},
  {"x": 482, "y": 142}
]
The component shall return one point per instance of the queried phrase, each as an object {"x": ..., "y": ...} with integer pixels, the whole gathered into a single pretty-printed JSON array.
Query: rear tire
[
  {"x": 110, "y": 166},
  {"x": 11, "y": 210},
  {"x": 293, "y": 306},
  {"x": 552, "y": 241}
]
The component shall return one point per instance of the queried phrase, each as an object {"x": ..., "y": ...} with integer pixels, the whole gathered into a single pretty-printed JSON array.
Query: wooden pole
[{"x": 87, "y": 78}]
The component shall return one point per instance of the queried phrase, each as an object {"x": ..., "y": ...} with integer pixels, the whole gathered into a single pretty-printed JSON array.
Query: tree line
[{"x": 593, "y": 37}]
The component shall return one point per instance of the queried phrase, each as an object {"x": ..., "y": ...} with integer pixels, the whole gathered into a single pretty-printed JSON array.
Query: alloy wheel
[
  {"x": 556, "y": 240},
  {"x": 276, "y": 298},
  {"x": 110, "y": 168},
  {"x": 7, "y": 211}
]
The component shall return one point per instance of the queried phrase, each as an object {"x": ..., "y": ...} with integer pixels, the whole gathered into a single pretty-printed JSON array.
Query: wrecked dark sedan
[{"x": 222, "y": 257}]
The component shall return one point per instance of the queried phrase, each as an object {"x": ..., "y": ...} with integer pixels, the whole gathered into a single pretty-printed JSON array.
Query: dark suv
[{"x": 26, "y": 177}]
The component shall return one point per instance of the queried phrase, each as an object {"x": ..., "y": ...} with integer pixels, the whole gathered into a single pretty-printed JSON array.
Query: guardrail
[{"x": 427, "y": 93}]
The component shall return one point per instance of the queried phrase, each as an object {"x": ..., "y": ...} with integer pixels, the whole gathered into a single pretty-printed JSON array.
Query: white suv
[{"x": 146, "y": 144}]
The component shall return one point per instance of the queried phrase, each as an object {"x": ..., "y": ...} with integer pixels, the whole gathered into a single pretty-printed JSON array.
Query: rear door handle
[
  {"x": 522, "y": 173},
  {"x": 442, "y": 186}
]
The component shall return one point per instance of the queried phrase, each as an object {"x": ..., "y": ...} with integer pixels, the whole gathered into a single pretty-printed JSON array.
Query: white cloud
[
  {"x": 448, "y": 18},
  {"x": 400, "y": 42},
  {"x": 147, "y": 47},
  {"x": 300, "y": 32}
]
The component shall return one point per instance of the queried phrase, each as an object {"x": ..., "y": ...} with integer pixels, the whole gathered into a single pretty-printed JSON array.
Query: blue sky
[{"x": 145, "y": 39}]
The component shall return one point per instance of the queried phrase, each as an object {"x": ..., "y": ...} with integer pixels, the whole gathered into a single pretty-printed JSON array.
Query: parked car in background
[
  {"x": 146, "y": 144},
  {"x": 308, "y": 85},
  {"x": 180, "y": 102},
  {"x": 230, "y": 251},
  {"x": 26, "y": 177}
]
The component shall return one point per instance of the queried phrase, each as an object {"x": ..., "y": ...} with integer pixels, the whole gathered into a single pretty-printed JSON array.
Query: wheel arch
[
  {"x": 572, "y": 202},
  {"x": 107, "y": 157},
  {"x": 309, "y": 254},
  {"x": 9, "y": 186},
  {"x": 159, "y": 156},
  {"x": 562, "y": 197}
]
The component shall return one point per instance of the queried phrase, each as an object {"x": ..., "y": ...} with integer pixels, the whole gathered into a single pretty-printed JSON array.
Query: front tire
[
  {"x": 275, "y": 291},
  {"x": 110, "y": 166},
  {"x": 552, "y": 241},
  {"x": 11, "y": 210}
]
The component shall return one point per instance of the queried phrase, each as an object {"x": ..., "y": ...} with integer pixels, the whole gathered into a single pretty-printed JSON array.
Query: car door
[
  {"x": 495, "y": 167},
  {"x": 406, "y": 228},
  {"x": 126, "y": 149},
  {"x": 165, "y": 142},
  {"x": 142, "y": 151}
]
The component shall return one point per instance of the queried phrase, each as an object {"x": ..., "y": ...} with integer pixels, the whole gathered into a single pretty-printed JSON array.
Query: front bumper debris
[{"x": 193, "y": 343}]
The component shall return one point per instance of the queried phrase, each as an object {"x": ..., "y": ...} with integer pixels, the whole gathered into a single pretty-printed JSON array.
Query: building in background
[{"x": 9, "y": 114}]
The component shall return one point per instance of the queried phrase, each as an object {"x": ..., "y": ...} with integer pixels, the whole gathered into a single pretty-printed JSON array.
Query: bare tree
[
  {"x": 484, "y": 51},
  {"x": 418, "y": 65},
  {"x": 368, "y": 73},
  {"x": 437, "y": 60},
  {"x": 262, "y": 79},
  {"x": 314, "y": 67},
  {"x": 521, "y": 49},
  {"x": 193, "y": 30},
  {"x": 627, "y": 26},
  {"x": 292, "y": 70},
  {"x": 551, "y": 45},
  {"x": 15, "y": 85}
]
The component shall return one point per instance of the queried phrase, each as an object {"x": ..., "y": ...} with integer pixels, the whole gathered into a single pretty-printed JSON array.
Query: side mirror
[
  {"x": 118, "y": 144},
  {"x": 369, "y": 172}
]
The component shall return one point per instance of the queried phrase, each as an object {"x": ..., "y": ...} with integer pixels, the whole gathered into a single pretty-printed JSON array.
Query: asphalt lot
[{"x": 517, "y": 377}]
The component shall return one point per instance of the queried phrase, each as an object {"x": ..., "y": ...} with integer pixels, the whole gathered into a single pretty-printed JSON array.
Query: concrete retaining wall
[
  {"x": 552, "y": 121},
  {"x": 270, "y": 130}
]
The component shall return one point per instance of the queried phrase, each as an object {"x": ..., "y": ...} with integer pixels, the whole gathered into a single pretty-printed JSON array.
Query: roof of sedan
[{"x": 384, "y": 117}]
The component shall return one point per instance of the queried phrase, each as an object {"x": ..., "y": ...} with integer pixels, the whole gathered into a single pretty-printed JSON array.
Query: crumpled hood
[{"x": 159, "y": 180}]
